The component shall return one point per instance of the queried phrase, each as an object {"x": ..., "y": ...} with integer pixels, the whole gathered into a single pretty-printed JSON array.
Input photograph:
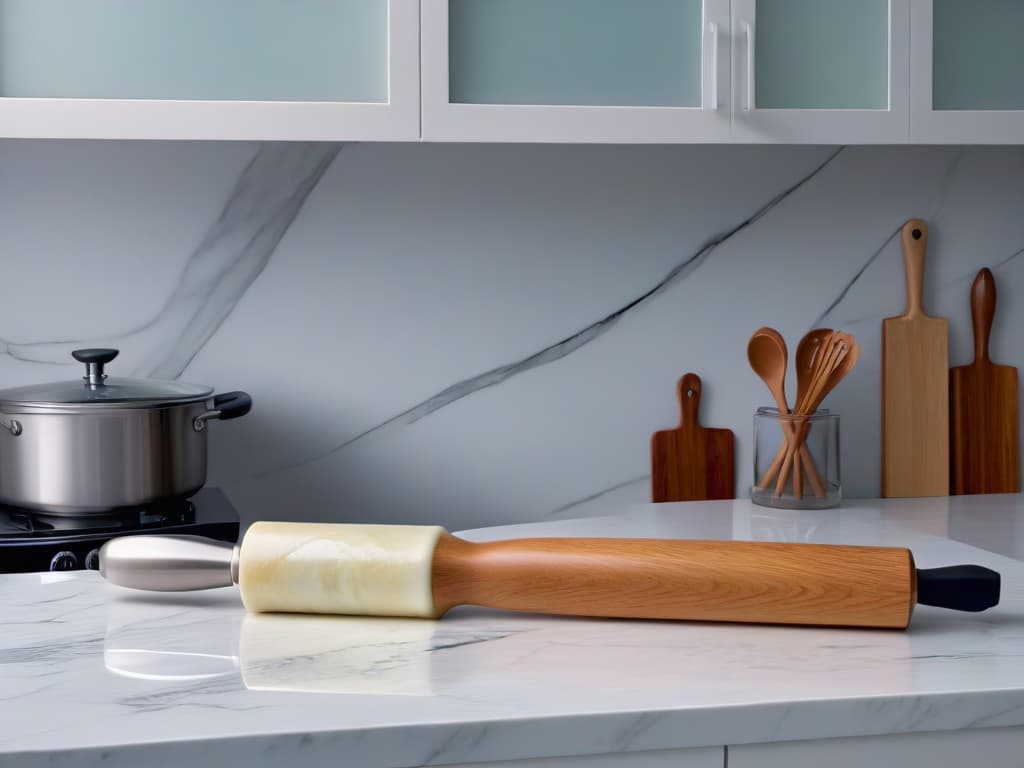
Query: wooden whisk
[{"x": 833, "y": 359}]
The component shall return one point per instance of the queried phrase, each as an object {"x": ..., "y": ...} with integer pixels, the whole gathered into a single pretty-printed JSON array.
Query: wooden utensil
[
  {"x": 915, "y": 387},
  {"x": 806, "y": 356},
  {"x": 691, "y": 462},
  {"x": 836, "y": 359},
  {"x": 984, "y": 439},
  {"x": 401, "y": 570},
  {"x": 768, "y": 355},
  {"x": 840, "y": 358},
  {"x": 807, "y": 351}
]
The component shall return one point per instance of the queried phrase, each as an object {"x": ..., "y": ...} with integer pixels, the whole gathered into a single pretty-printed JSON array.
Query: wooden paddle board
[
  {"x": 915, "y": 387},
  {"x": 984, "y": 433},
  {"x": 691, "y": 462}
]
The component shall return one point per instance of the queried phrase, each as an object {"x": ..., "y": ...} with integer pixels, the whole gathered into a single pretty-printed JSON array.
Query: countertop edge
[{"x": 573, "y": 735}]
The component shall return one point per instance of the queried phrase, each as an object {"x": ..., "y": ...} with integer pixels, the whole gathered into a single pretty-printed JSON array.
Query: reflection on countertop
[{"x": 301, "y": 654}]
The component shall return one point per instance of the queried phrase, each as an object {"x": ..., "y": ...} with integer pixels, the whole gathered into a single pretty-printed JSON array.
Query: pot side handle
[
  {"x": 229, "y": 405},
  {"x": 232, "y": 405}
]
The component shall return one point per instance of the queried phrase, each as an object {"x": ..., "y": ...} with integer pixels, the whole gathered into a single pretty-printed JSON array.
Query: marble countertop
[{"x": 91, "y": 674}]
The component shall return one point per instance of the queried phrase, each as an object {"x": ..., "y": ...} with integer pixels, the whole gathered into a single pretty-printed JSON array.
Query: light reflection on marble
[
  {"x": 199, "y": 680},
  {"x": 303, "y": 654}
]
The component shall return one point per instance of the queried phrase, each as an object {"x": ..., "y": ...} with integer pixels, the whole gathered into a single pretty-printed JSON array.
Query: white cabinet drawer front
[
  {"x": 257, "y": 50},
  {"x": 988, "y": 747},
  {"x": 705, "y": 757}
]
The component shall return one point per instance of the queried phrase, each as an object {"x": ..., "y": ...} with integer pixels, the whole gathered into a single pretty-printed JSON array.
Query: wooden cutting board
[
  {"x": 691, "y": 462},
  {"x": 915, "y": 387},
  {"x": 984, "y": 441}
]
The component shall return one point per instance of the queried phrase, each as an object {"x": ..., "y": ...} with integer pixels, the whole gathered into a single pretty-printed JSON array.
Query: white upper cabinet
[
  {"x": 742, "y": 71},
  {"x": 216, "y": 69},
  {"x": 575, "y": 70},
  {"x": 820, "y": 71},
  {"x": 967, "y": 66}
]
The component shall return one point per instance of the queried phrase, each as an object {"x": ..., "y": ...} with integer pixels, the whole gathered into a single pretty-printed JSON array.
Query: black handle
[
  {"x": 232, "y": 405},
  {"x": 960, "y": 587},
  {"x": 100, "y": 355}
]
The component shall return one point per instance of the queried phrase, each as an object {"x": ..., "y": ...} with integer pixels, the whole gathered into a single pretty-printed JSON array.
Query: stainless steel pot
[{"x": 103, "y": 443}]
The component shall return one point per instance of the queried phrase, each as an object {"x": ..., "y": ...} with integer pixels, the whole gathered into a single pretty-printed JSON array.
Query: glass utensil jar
[{"x": 814, "y": 484}]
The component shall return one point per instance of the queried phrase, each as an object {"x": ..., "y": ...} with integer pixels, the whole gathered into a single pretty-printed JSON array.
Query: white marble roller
[{"x": 380, "y": 570}]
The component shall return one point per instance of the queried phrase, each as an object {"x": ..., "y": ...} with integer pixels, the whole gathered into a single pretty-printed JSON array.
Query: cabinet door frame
[
  {"x": 444, "y": 121},
  {"x": 397, "y": 119},
  {"x": 949, "y": 126},
  {"x": 819, "y": 126}
]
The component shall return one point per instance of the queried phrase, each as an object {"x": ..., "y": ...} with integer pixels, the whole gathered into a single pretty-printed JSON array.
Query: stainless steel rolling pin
[{"x": 423, "y": 571}]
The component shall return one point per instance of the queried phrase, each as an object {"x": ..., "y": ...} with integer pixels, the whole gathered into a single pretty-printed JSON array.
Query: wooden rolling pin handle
[{"x": 763, "y": 582}]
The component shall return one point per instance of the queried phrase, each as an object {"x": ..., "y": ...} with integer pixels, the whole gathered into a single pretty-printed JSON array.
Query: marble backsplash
[{"x": 466, "y": 334}]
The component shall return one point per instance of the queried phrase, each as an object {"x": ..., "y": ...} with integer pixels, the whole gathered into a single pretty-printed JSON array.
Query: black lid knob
[
  {"x": 960, "y": 587},
  {"x": 99, "y": 355}
]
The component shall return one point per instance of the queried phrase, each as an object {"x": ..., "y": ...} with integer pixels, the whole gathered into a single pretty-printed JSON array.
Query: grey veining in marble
[
  {"x": 199, "y": 681},
  {"x": 566, "y": 346},
  {"x": 484, "y": 334},
  {"x": 263, "y": 204}
]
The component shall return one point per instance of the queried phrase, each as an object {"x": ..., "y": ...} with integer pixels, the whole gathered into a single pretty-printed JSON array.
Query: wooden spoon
[{"x": 767, "y": 354}]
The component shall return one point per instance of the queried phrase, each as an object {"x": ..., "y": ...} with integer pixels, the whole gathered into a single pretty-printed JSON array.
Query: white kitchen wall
[{"x": 483, "y": 334}]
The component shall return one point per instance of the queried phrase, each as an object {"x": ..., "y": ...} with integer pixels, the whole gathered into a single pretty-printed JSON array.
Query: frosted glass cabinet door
[
  {"x": 575, "y": 70},
  {"x": 831, "y": 71},
  {"x": 262, "y": 68},
  {"x": 967, "y": 71}
]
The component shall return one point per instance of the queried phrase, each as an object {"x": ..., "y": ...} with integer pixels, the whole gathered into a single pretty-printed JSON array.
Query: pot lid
[{"x": 97, "y": 390}]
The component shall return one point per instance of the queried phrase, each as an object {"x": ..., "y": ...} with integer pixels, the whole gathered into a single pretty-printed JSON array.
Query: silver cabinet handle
[
  {"x": 749, "y": 29},
  {"x": 711, "y": 99}
]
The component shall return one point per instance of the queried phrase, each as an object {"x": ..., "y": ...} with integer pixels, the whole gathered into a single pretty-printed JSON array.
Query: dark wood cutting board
[
  {"x": 691, "y": 462},
  {"x": 984, "y": 441}
]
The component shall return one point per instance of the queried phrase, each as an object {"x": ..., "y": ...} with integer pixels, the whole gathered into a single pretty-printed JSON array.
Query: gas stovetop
[{"x": 35, "y": 541}]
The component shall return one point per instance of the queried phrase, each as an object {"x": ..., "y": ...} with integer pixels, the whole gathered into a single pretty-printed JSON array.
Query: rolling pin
[{"x": 423, "y": 571}]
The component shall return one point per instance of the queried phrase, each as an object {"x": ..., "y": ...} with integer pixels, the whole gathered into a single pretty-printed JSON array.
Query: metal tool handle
[
  {"x": 710, "y": 101},
  {"x": 169, "y": 563},
  {"x": 751, "y": 71}
]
